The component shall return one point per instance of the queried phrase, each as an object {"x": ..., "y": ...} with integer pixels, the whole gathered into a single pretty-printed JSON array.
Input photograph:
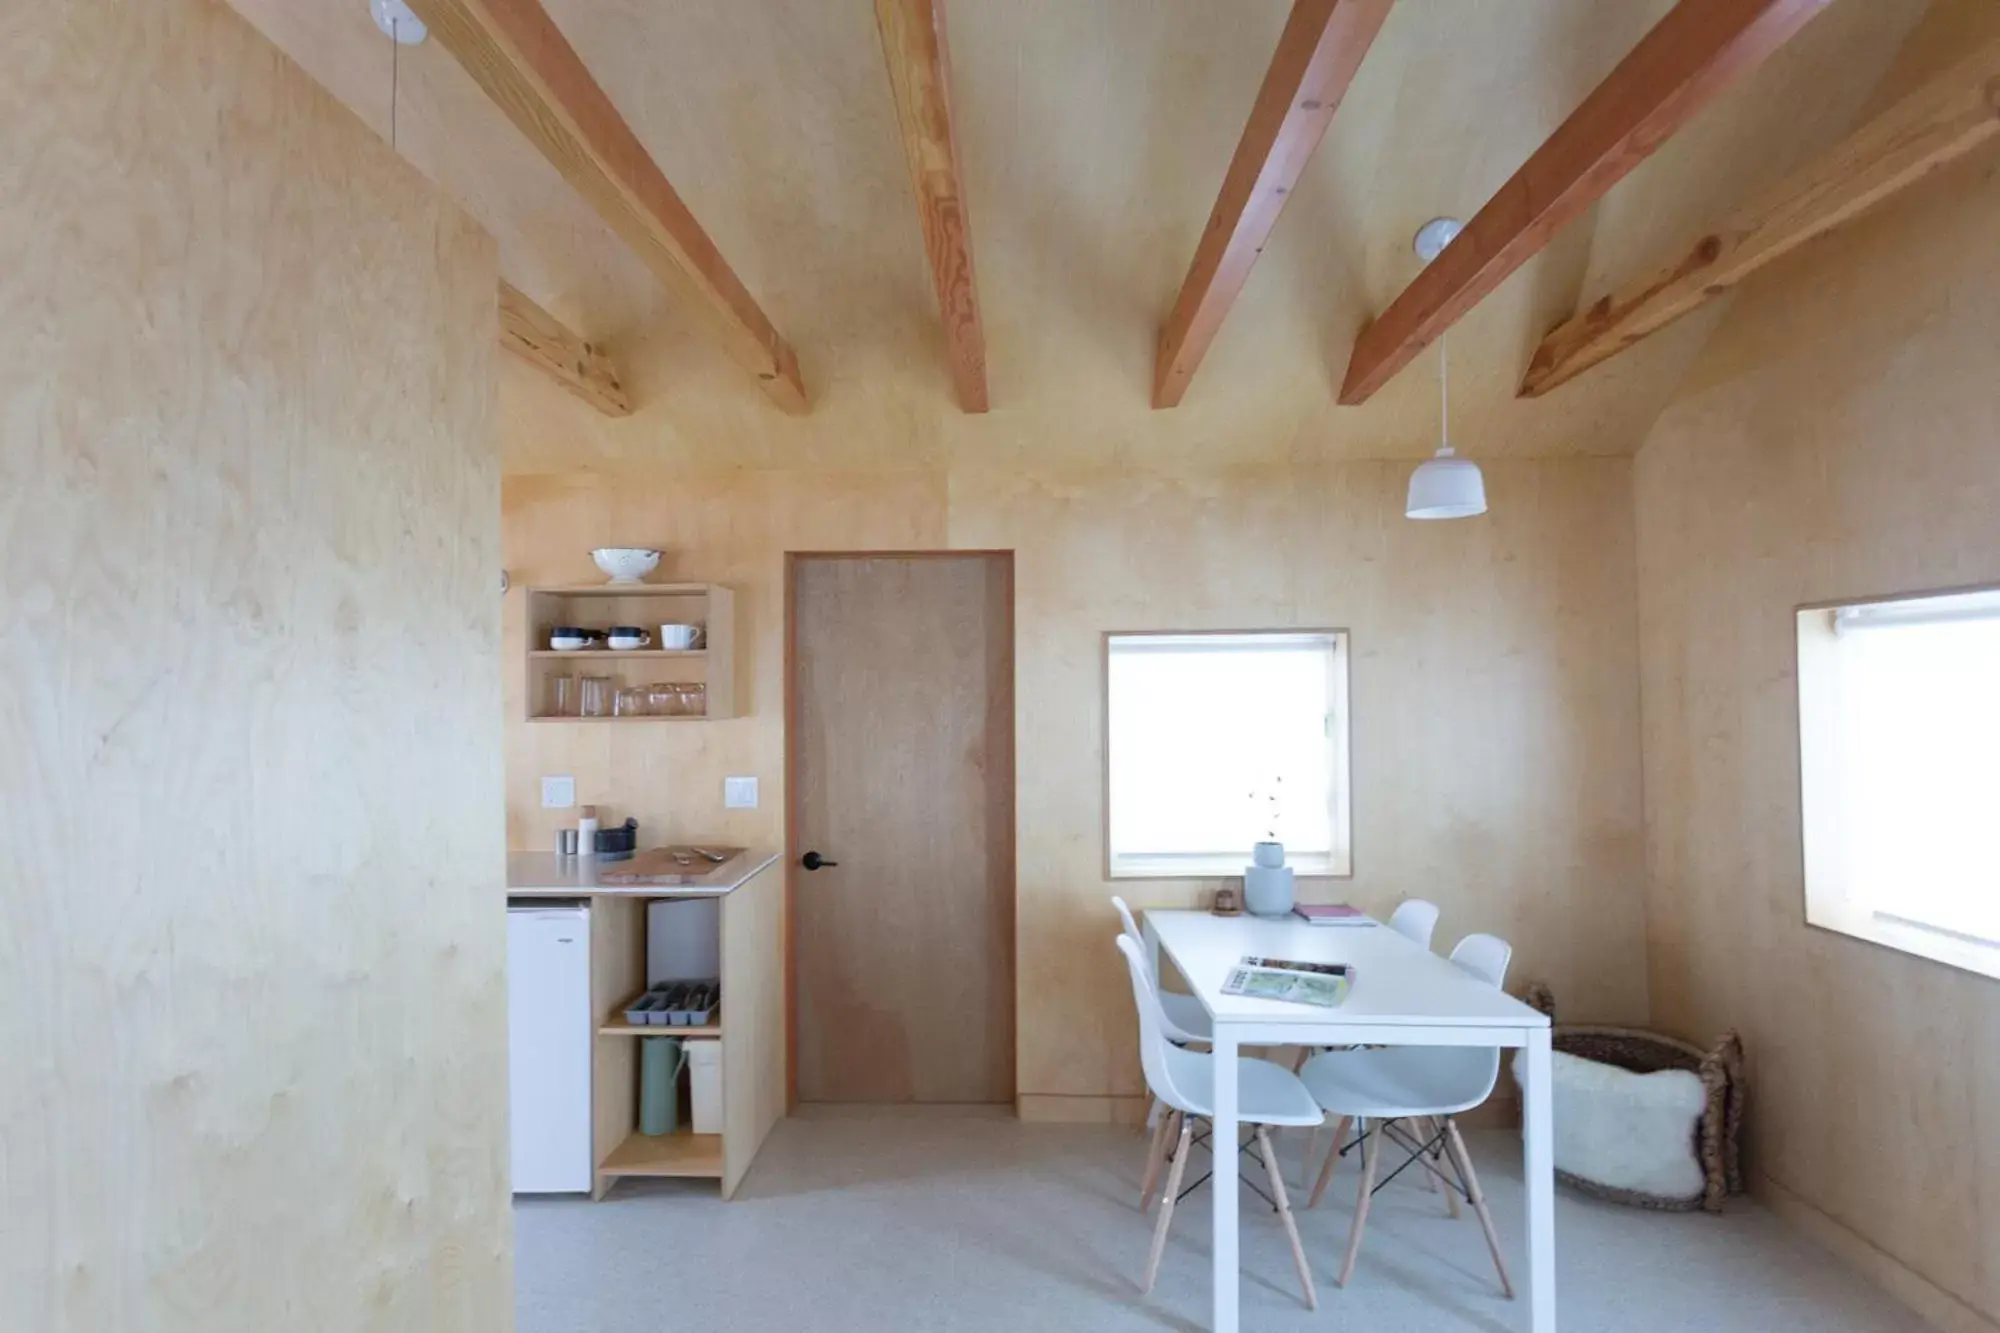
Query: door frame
[{"x": 1004, "y": 559}]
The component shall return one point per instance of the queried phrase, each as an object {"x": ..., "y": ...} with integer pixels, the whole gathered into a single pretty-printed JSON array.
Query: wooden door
[{"x": 902, "y": 773}]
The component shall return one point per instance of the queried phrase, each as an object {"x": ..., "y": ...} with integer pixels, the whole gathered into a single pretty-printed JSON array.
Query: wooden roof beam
[
  {"x": 1697, "y": 51},
  {"x": 514, "y": 51},
  {"x": 913, "y": 44},
  {"x": 540, "y": 339},
  {"x": 1317, "y": 56},
  {"x": 1950, "y": 116}
]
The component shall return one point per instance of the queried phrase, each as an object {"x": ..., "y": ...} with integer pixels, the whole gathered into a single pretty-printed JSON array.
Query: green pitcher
[{"x": 661, "y": 1060}]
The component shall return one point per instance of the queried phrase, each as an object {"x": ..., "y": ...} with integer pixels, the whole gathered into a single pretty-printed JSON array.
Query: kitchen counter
[{"x": 546, "y": 875}]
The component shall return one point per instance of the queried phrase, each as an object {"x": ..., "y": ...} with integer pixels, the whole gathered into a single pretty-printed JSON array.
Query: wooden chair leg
[
  {"x": 1156, "y": 1154},
  {"x": 1371, "y": 1147},
  {"x": 1167, "y": 1201},
  {"x": 1473, "y": 1192},
  {"x": 1332, "y": 1160},
  {"x": 1285, "y": 1215}
]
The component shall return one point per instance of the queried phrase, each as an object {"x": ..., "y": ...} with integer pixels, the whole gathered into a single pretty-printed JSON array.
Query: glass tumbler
[
  {"x": 562, "y": 696},
  {"x": 593, "y": 695},
  {"x": 630, "y": 701}
]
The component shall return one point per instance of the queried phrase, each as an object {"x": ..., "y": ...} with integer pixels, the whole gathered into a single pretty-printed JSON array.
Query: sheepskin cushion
[{"x": 1627, "y": 1131}]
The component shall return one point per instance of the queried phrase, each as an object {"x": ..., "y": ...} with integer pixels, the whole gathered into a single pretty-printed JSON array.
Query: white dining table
[{"x": 1402, "y": 995}]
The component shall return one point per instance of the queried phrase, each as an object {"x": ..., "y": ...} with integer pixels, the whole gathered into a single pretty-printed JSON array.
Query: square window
[
  {"x": 1215, "y": 742},
  {"x": 1899, "y": 765}
]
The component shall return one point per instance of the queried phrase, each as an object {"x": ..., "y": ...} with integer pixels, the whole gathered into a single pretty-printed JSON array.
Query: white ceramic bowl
[{"x": 626, "y": 564}]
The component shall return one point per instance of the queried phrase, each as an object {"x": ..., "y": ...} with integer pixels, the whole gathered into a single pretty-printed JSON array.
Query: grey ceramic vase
[{"x": 1267, "y": 883}]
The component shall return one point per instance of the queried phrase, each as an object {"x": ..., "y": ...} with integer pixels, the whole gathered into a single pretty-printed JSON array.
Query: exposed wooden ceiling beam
[
  {"x": 913, "y": 44},
  {"x": 1699, "y": 49},
  {"x": 1318, "y": 54},
  {"x": 1950, "y": 116},
  {"x": 540, "y": 339},
  {"x": 517, "y": 55}
]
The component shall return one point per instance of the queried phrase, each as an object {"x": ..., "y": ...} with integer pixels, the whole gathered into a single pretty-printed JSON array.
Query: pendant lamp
[{"x": 1444, "y": 485}]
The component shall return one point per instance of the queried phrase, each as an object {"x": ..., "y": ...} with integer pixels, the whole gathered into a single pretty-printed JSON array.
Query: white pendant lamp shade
[
  {"x": 1443, "y": 486},
  {"x": 1446, "y": 486}
]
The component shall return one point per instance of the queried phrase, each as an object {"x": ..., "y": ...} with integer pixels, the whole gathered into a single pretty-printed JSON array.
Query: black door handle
[{"x": 813, "y": 861}]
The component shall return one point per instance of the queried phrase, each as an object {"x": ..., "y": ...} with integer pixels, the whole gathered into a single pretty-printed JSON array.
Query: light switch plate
[
  {"x": 558, "y": 791},
  {"x": 739, "y": 793}
]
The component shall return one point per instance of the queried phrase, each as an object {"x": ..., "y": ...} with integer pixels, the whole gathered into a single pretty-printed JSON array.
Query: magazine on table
[{"x": 1322, "y": 984}]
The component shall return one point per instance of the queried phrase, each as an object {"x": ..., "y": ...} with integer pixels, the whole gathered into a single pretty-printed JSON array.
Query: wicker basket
[{"x": 1717, "y": 1132}]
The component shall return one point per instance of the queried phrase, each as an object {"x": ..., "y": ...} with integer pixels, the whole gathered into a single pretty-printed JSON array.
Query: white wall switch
[
  {"x": 558, "y": 792},
  {"x": 739, "y": 793}
]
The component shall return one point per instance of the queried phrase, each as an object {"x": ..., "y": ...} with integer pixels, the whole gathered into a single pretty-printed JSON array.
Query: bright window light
[
  {"x": 1216, "y": 742},
  {"x": 1900, "y": 765}
]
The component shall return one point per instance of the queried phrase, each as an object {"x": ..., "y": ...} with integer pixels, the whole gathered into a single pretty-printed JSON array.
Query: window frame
[
  {"x": 1825, "y": 899},
  {"x": 1340, "y": 861}
]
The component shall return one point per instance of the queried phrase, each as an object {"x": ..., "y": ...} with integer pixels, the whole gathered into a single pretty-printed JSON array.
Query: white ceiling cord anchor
[{"x": 398, "y": 21}]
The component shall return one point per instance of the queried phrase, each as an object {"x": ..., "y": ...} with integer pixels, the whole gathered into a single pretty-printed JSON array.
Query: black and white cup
[{"x": 625, "y": 638}]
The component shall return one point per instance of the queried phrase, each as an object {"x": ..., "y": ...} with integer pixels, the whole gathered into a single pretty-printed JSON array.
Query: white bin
[{"x": 705, "y": 1083}]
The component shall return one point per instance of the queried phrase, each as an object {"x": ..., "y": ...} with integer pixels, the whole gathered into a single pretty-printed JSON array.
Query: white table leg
[
  {"x": 1223, "y": 1186},
  {"x": 1538, "y": 1137}
]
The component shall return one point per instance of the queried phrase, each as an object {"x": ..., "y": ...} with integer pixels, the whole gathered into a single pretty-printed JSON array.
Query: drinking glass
[
  {"x": 593, "y": 695},
  {"x": 630, "y": 701},
  {"x": 562, "y": 696},
  {"x": 694, "y": 700},
  {"x": 663, "y": 700}
]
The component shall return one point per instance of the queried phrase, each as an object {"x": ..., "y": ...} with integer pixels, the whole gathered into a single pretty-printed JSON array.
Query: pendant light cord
[
  {"x": 395, "y": 69},
  {"x": 1444, "y": 397}
]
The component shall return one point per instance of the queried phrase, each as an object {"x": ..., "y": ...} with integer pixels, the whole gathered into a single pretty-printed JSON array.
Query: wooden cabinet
[
  {"x": 749, "y": 1025},
  {"x": 648, "y": 606}
]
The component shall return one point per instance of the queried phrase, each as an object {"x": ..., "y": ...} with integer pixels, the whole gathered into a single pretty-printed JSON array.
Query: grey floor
[{"x": 884, "y": 1221}]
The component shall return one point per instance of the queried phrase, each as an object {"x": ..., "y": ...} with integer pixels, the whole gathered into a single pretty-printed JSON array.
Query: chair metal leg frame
[
  {"x": 1427, "y": 1153},
  {"x": 1174, "y": 1192},
  {"x": 1466, "y": 1184},
  {"x": 1201, "y": 1138}
]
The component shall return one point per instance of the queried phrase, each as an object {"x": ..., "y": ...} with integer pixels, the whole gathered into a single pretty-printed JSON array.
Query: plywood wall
[
  {"x": 250, "y": 954},
  {"x": 1841, "y": 437},
  {"x": 1496, "y": 721}
]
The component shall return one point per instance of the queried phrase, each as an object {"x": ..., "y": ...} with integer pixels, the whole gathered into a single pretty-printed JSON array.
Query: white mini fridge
[{"x": 549, "y": 1032}]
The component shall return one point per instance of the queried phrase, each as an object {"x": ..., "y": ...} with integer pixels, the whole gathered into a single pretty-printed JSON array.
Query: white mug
[
  {"x": 625, "y": 638},
  {"x": 680, "y": 638}
]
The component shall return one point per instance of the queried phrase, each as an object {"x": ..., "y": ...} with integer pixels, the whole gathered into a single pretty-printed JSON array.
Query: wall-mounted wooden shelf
[
  {"x": 685, "y": 1154},
  {"x": 589, "y": 654},
  {"x": 647, "y": 605}
]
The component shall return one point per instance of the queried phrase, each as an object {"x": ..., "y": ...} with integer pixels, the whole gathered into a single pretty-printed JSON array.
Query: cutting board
[{"x": 667, "y": 865}]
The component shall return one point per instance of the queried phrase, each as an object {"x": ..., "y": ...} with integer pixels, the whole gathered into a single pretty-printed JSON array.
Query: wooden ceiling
[{"x": 1089, "y": 140}]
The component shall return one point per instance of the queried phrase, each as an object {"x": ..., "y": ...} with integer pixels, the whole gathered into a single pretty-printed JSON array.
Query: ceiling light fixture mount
[
  {"x": 398, "y": 21},
  {"x": 1444, "y": 485}
]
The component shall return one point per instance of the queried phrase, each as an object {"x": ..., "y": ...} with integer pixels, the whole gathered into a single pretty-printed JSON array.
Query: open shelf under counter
[
  {"x": 683, "y": 1154},
  {"x": 616, "y": 1026}
]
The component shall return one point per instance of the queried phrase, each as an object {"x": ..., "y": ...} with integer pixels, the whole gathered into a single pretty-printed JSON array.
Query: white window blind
[
  {"x": 1922, "y": 768},
  {"x": 1218, "y": 741},
  {"x": 1899, "y": 731}
]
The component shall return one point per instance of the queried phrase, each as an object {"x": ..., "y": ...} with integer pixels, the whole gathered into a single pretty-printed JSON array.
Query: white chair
[
  {"x": 1415, "y": 919},
  {"x": 1184, "y": 1081},
  {"x": 1186, "y": 1020},
  {"x": 1396, "y": 1084}
]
